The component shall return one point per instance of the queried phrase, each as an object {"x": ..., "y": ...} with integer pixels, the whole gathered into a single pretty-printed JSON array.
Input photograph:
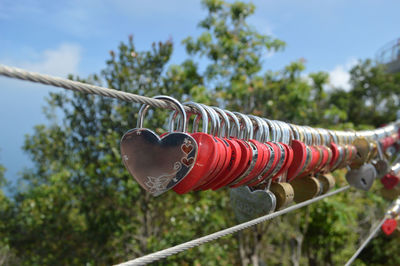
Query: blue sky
[{"x": 62, "y": 37}]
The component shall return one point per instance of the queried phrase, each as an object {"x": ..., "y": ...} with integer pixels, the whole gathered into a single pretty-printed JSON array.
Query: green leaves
[{"x": 78, "y": 205}]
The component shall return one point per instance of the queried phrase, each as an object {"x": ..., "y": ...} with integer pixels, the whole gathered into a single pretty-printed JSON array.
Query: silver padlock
[
  {"x": 248, "y": 204},
  {"x": 362, "y": 178}
]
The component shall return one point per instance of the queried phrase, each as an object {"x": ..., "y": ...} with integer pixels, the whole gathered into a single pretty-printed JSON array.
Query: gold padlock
[
  {"x": 327, "y": 182},
  {"x": 305, "y": 188},
  {"x": 363, "y": 151},
  {"x": 283, "y": 192}
]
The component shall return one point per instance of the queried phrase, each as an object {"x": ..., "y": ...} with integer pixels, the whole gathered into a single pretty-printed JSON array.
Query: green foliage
[
  {"x": 373, "y": 98},
  {"x": 78, "y": 205}
]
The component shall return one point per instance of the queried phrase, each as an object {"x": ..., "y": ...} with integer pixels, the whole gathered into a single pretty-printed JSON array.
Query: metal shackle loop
[{"x": 174, "y": 102}]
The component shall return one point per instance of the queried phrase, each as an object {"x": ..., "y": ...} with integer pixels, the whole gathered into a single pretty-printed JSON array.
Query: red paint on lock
[
  {"x": 325, "y": 158},
  {"x": 244, "y": 163},
  {"x": 335, "y": 155},
  {"x": 217, "y": 173},
  {"x": 260, "y": 162},
  {"x": 288, "y": 160},
  {"x": 389, "y": 181},
  {"x": 299, "y": 159},
  {"x": 222, "y": 154},
  {"x": 236, "y": 154},
  {"x": 315, "y": 159},
  {"x": 389, "y": 226},
  {"x": 276, "y": 159},
  {"x": 206, "y": 161}
]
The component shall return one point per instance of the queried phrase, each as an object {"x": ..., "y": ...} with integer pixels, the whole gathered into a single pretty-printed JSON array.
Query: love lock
[
  {"x": 327, "y": 182},
  {"x": 158, "y": 164},
  {"x": 284, "y": 194},
  {"x": 305, "y": 188},
  {"x": 248, "y": 204},
  {"x": 363, "y": 151},
  {"x": 389, "y": 181},
  {"x": 389, "y": 226},
  {"x": 362, "y": 178}
]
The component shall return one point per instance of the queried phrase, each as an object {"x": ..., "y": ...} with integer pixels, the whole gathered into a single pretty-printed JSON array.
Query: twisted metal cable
[
  {"x": 371, "y": 235},
  {"x": 22, "y": 74},
  {"x": 17, "y": 73},
  {"x": 202, "y": 240}
]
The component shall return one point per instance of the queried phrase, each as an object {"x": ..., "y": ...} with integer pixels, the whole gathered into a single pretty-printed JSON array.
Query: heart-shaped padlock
[
  {"x": 363, "y": 151},
  {"x": 389, "y": 181},
  {"x": 241, "y": 154},
  {"x": 363, "y": 177},
  {"x": 284, "y": 194},
  {"x": 233, "y": 149},
  {"x": 261, "y": 150},
  {"x": 158, "y": 164},
  {"x": 389, "y": 226},
  {"x": 327, "y": 182},
  {"x": 224, "y": 151},
  {"x": 275, "y": 154},
  {"x": 305, "y": 188},
  {"x": 248, "y": 204},
  {"x": 207, "y": 158}
]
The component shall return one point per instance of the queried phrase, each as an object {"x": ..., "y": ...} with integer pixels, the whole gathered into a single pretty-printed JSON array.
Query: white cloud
[
  {"x": 61, "y": 61},
  {"x": 339, "y": 77}
]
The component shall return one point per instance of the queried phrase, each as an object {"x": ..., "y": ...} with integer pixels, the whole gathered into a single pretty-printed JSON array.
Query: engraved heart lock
[
  {"x": 158, "y": 164},
  {"x": 248, "y": 204},
  {"x": 363, "y": 177},
  {"x": 208, "y": 157}
]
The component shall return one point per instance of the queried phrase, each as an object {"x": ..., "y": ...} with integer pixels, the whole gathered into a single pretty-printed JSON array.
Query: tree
[
  {"x": 373, "y": 98},
  {"x": 78, "y": 205}
]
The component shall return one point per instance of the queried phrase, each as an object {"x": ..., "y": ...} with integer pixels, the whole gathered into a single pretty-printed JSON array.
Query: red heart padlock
[
  {"x": 259, "y": 150},
  {"x": 335, "y": 155},
  {"x": 288, "y": 161},
  {"x": 315, "y": 159},
  {"x": 270, "y": 167},
  {"x": 300, "y": 155},
  {"x": 287, "y": 152},
  {"x": 226, "y": 154},
  {"x": 207, "y": 158},
  {"x": 241, "y": 153},
  {"x": 279, "y": 152},
  {"x": 326, "y": 157},
  {"x": 273, "y": 152},
  {"x": 245, "y": 161},
  {"x": 389, "y": 226},
  {"x": 224, "y": 151},
  {"x": 389, "y": 181}
]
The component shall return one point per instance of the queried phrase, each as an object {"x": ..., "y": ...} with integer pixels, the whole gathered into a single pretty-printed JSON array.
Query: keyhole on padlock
[{"x": 363, "y": 181}]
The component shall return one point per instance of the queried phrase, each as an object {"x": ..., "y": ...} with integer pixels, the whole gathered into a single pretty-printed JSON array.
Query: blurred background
[{"x": 66, "y": 197}]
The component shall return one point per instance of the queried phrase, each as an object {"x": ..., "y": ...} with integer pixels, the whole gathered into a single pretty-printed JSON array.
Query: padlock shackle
[{"x": 174, "y": 102}]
